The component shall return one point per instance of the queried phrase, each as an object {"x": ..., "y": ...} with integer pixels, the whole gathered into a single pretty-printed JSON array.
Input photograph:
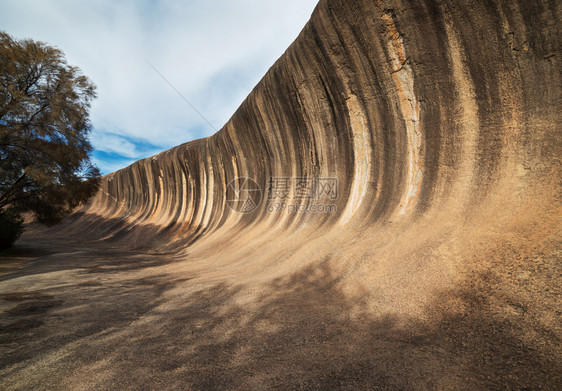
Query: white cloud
[
  {"x": 213, "y": 52},
  {"x": 109, "y": 166},
  {"x": 110, "y": 143}
]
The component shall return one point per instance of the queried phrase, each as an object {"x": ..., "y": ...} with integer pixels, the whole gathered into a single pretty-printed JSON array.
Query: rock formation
[
  {"x": 441, "y": 122},
  {"x": 418, "y": 109}
]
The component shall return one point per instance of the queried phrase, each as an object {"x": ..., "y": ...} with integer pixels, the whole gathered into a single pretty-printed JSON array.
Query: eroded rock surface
[{"x": 438, "y": 266}]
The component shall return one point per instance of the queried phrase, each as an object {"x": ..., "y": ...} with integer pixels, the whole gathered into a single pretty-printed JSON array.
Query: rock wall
[{"x": 413, "y": 106}]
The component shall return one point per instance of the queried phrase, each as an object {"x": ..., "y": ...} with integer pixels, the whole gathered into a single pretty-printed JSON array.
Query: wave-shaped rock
[
  {"x": 428, "y": 256},
  {"x": 415, "y": 107}
]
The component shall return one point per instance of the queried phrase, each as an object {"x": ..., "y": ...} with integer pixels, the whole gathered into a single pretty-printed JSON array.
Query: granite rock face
[
  {"x": 441, "y": 122},
  {"x": 413, "y": 106}
]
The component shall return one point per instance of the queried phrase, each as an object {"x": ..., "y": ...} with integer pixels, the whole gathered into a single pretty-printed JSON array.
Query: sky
[{"x": 213, "y": 52}]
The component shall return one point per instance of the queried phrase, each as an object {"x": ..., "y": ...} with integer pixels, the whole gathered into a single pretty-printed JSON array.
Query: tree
[{"x": 45, "y": 166}]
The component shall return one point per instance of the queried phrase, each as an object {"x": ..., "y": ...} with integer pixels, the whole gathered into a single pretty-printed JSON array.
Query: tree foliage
[{"x": 45, "y": 166}]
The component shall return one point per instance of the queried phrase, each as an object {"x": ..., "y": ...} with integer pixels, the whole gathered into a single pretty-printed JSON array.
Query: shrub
[{"x": 11, "y": 227}]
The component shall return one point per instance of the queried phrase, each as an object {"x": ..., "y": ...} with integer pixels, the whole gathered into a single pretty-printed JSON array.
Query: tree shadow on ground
[
  {"x": 74, "y": 253},
  {"x": 300, "y": 333}
]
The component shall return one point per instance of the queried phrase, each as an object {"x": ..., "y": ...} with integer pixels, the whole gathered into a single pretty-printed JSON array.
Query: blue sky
[{"x": 213, "y": 52}]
